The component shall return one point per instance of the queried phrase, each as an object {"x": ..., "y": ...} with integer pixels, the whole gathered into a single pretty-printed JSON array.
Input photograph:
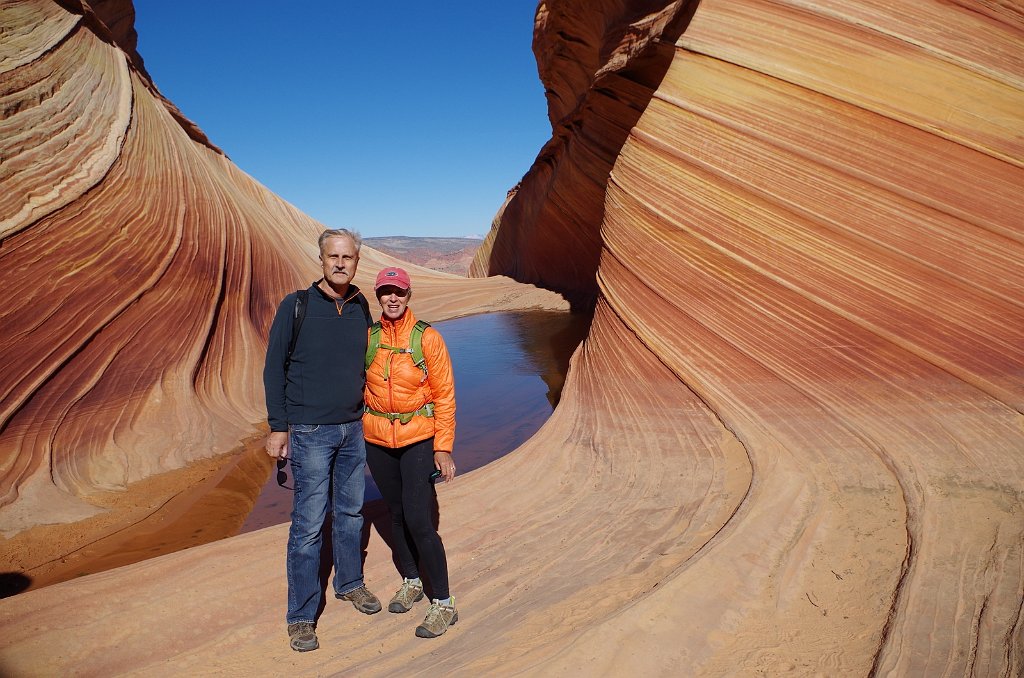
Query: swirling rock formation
[
  {"x": 792, "y": 441},
  {"x": 141, "y": 271},
  {"x": 810, "y": 214}
]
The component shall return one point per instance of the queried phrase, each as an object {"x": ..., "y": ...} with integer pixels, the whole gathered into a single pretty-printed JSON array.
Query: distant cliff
[{"x": 448, "y": 255}]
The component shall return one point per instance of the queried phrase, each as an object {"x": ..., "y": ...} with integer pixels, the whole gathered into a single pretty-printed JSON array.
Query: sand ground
[{"x": 158, "y": 515}]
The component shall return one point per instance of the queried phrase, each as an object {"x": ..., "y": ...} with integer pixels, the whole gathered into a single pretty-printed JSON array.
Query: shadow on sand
[
  {"x": 13, "y": 583},
  {"x": 376, "y": 517}
]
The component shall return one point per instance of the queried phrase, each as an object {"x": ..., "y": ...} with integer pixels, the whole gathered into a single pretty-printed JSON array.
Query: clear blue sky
[{"x": 392, "y": 118}]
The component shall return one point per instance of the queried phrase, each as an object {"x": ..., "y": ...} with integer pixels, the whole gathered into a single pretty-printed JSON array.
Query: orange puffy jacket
[{"x": 406, "y": 390}]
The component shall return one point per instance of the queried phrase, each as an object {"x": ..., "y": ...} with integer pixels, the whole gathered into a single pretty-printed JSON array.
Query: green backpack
[{"x": 415, "y": 347}]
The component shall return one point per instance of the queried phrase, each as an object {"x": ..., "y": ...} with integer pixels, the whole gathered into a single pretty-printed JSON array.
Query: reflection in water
[{"x": 509, "y": 372}]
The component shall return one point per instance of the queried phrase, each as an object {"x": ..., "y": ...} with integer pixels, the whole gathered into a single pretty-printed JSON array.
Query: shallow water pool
[{"x": 509, "y": 371}]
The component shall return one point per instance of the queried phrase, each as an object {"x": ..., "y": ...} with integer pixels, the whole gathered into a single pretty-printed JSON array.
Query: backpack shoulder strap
[
  {"x": 372, "y": 345},
  {"x": 415, "y": 347},
  {"x": 365, "y": 305},
  {"x": 416, "y": 344},
  {"x": 298, "y": 315}
]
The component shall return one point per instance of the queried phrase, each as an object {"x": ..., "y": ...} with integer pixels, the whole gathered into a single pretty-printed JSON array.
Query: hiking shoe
[
  {"x": 362, "y": 600},
  {"x": 303, "y": 636},
  {"x": 406, "y": 596},
  {"x": 439, "y": 618}
]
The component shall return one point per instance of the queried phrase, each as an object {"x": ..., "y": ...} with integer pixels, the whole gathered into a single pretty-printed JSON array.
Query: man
[{"x": 314, "y": 392}]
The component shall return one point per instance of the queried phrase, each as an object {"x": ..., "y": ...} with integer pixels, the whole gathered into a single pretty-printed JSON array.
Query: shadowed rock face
[{"x": 792, "y": 441}]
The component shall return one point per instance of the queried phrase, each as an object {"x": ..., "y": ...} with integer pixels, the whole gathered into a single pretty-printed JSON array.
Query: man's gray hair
[{"x": 340, "y": 233}]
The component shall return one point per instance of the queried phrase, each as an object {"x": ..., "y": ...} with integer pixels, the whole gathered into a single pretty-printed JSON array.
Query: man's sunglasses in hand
[{"x": 282, "y": 477}]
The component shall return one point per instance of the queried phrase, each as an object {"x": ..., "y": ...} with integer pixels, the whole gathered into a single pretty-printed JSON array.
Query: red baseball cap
[{"x": 392, "y": 276}]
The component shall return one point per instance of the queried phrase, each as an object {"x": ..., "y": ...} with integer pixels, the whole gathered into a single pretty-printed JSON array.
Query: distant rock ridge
[
  {"x": 790, "y": 443},
  {"x": 447, "y": 255}
]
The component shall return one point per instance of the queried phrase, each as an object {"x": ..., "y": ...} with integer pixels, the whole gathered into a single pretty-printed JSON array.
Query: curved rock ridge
[
  {"x": 599, "y": 64},
  {"x": 791, "y": 442},
  {"x": 141, "y": 271},
  {"x": 812, "y": 216}
]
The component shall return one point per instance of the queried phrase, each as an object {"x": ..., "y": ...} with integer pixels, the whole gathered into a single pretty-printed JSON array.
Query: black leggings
[{"x": 403, "y": 478}]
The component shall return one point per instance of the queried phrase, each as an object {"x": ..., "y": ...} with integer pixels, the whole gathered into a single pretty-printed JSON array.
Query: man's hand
[{"x": 277, "y": 444}]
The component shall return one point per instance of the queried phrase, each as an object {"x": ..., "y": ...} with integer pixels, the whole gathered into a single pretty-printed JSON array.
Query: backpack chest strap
[{"x": 404, "y": 417}]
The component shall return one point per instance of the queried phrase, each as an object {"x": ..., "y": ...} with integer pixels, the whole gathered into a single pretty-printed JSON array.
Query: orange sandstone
[{"x": 790, "y": 443}]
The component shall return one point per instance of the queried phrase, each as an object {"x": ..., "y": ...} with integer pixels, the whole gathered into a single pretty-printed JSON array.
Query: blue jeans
[{"x": 327, "y": 468}]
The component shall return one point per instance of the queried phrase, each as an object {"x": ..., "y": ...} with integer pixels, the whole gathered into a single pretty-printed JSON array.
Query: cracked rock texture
[{"x": 791, "y": 443}]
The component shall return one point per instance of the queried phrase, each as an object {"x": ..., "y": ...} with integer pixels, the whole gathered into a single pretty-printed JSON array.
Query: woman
[{"x": 409, "y": 424}]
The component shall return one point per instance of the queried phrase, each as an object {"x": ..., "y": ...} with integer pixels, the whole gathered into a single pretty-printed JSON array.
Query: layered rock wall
[
  {"x": 812, "y": 217},
  {"x": 141, "y": 270},
  {"x": 791, "y": 443}
]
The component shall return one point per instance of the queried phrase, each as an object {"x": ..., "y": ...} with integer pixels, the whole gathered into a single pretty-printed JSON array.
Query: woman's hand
[{"x": 443, "y": 462}]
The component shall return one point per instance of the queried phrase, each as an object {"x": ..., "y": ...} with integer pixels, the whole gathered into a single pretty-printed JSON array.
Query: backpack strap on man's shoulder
[
  {"x": 365, "y": 305},
  {"x": 298, "y": 315}
]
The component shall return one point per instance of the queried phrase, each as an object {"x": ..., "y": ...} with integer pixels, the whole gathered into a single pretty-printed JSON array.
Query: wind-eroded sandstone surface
[
  {"x": 141, "y": 271},
  {"x": 791, "y": 443},
  {"x": 812, "y": 215}
]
